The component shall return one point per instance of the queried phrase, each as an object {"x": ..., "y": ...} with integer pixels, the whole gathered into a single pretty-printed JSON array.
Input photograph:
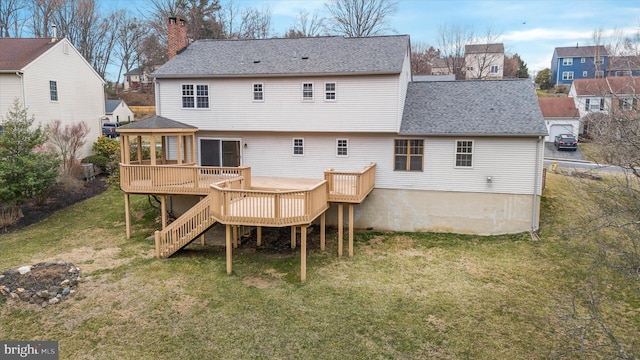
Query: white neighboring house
[
  {"x": 560, "y": 116},
  {"x": 54, "y": 82},
  {"x": 461, "y": 157},
  {"x": 117, "y": 111},
  {"x": 484, "y": 61},
  {"x": 605, "y": 95}
]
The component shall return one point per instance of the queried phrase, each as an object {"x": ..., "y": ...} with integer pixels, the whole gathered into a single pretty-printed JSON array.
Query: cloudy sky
[{"x": 531, "y": 28}]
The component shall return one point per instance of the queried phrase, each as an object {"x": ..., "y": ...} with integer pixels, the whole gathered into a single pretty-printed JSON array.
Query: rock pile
[{"x": 43, "y": 284}]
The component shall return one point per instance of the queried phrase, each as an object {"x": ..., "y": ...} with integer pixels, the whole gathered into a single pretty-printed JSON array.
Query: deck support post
[
  {"x": 293, "y": 237},
  {"x": 127, "y": 215},
  {"x": 259, "y": 236},
  {"x": 303, "y": 253},
  {"x": 156, "y": 236},
  {"x": 350, "y": 230},
  {"x": 228, "y": 247},
  {"x": 340, "y": 225},
  {"x": 235, "y": 236},
  {"x": 163, "y": 210},
  {"x": 323, "y": 223}
]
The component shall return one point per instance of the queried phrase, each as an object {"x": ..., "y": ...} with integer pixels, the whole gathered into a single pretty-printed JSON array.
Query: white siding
[
  {"x": 10, "y": 89},
  {"x": 510, "y": 163},
  {"x": 363, "y": 104},
  {"x": 403, "y": 83},
  {"x": 80, "y": 91}
]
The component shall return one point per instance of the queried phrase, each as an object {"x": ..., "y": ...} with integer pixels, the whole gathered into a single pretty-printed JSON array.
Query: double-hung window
[
  {"x": 53, "y": 90},
  {"x": 330, "y": 91},
  {"x": 627, "y": 104},
  {"x": 307, "y": 91},
  {"x": 408, "y": 154},
  {"x": 594, "y": 104},
  {"x": 258, "y": 93},
  {"x": 567, "y": 61},
  {"x": 567, "y": 75},
  {"x": 342, "y": 147},
  {"x": 494, "y": 69},
  {"x": 464, "y": 153},
  {"x": 195, "y": 96},
  {"x": 298, "y": 147}
]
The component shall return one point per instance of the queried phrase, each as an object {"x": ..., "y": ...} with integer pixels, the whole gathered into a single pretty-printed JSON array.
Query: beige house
[
  {"x": 484, "y": 61},
  {"x": 52, "y": 79}
]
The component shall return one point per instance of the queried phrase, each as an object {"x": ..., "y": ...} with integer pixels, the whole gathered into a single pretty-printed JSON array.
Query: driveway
[{"x": 550, "y": 152}]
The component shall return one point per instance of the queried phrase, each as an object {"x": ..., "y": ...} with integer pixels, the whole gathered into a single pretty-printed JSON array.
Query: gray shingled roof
[
  {"x": 156, "y": 122},
  {"x": 581, "y": 51},
  {"x": 484, "y": 48},
  {"x": 111, "y": 105},
  {"x": 300, "y": 56},
  {"x": 472, "y": 108}
]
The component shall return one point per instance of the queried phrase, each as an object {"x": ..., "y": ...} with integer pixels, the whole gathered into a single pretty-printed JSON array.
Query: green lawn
[{"x": 402, "y": 296}]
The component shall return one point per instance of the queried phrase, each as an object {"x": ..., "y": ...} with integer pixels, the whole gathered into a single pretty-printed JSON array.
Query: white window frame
[
  {"x": 470, "y": 144},
  {"x": 53, "y": 91},
  {"x": 585, "y": 73},
  {"x": 567, "y": 75},
  {"x": 494, "y": 67},
  {"x": 583, "y": 60},
  {"x": 328, "y": 93},
  {"x": 598, "y": 60},
  {"x": 342, "y": 147},
  {"x": 297, "y": 144},
  {"x": 195, "y": 96},
  {"x": 599, "y": 73},
  {"x": 307, "y": 88},
  {"x": 258, "y": 90},
  {"x": 567, "y": 61}
]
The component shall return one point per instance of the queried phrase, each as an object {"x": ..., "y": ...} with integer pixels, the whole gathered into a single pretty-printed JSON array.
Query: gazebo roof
[{"x": 157, "y": 124}]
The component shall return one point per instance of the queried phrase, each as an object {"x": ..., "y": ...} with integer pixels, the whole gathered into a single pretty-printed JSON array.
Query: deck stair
[{"x": 185, "y": 229}]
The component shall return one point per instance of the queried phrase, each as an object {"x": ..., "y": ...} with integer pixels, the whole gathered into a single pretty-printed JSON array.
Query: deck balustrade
[{"x": 350, "y": 187}]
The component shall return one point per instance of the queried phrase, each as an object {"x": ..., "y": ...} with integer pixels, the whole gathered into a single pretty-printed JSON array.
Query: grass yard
[{"x": 402, "y": 296}]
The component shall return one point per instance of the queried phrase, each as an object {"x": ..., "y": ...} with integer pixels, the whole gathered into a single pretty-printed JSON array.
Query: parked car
[
  {"x": 109, "y": 129},
  {"x": 566, "y": 141}
]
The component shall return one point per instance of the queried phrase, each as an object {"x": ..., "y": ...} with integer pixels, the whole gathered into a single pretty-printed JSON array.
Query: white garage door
[{"x": 559, "y": 129}]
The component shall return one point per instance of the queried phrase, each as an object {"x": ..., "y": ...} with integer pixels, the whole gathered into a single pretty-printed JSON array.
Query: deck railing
[
  {"x": 175, "y": 179},
  {"x": 268, "y": 208},
  {"x": 350, "y": 187}
]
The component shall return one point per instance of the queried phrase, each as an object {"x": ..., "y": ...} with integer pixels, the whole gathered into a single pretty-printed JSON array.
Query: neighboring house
[
  {"x": 578, "y": 62},
  {"x": 560, "y": 116},
  {"x": 294, "y": 108},
  {"x": 484, "y": 61},
  {"x": 448, "y": 77},
  {"x": 138, "y": 79},
  {"x": 117, "y": 111},
  {"x": 606, "y": 95},
  {"x": 439, "y": 67},
  {"x": 52, "y": 79},
  {"x": 624, "y": 66}
]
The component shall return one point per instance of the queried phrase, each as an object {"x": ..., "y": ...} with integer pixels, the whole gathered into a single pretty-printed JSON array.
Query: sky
[{"x": 530, "y": 28}]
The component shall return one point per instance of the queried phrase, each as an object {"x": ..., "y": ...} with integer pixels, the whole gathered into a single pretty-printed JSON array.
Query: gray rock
[
  {"x": 54, "y": 290},
  {"x": 24, "y": 269},
  {"x": 54, "y": 300},
  {"x": 65, "y": 282},
  {"x": 66, "y": 291},
  {"x": 44, "y": 304}
]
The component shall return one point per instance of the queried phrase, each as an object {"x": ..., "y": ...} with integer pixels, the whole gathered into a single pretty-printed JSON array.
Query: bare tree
[
  {"x": 200, "y": 15},
  {"x": 255, "y": 23},
  {"x": 42, "y": 16},
  {"x": 452, "y": 39},
  {"x": 307, "y": 25},
  {"x": 360, "y": 18},
  {"x": 129, "y": 39},
  {"x": 422, "y": 56},
  {"x": 10, "y": 17}
]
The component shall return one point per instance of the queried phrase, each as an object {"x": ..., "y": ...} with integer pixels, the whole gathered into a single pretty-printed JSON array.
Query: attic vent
[
  {"x": 256, "y": 61},
  {"x": 305, "y": 58}
]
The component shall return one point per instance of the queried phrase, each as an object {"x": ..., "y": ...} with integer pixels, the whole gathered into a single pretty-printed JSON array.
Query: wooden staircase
[{"x": 185, "y": 229}]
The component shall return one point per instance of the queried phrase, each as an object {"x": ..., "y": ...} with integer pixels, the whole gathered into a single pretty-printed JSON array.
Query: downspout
[
  {"x": 534, "y": 206},
  {"x": 156, "y": 86},
  {"x": 24, "y": 94}
]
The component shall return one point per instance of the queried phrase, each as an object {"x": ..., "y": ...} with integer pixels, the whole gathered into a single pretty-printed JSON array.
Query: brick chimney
[{"x": 177, "y": 35}]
